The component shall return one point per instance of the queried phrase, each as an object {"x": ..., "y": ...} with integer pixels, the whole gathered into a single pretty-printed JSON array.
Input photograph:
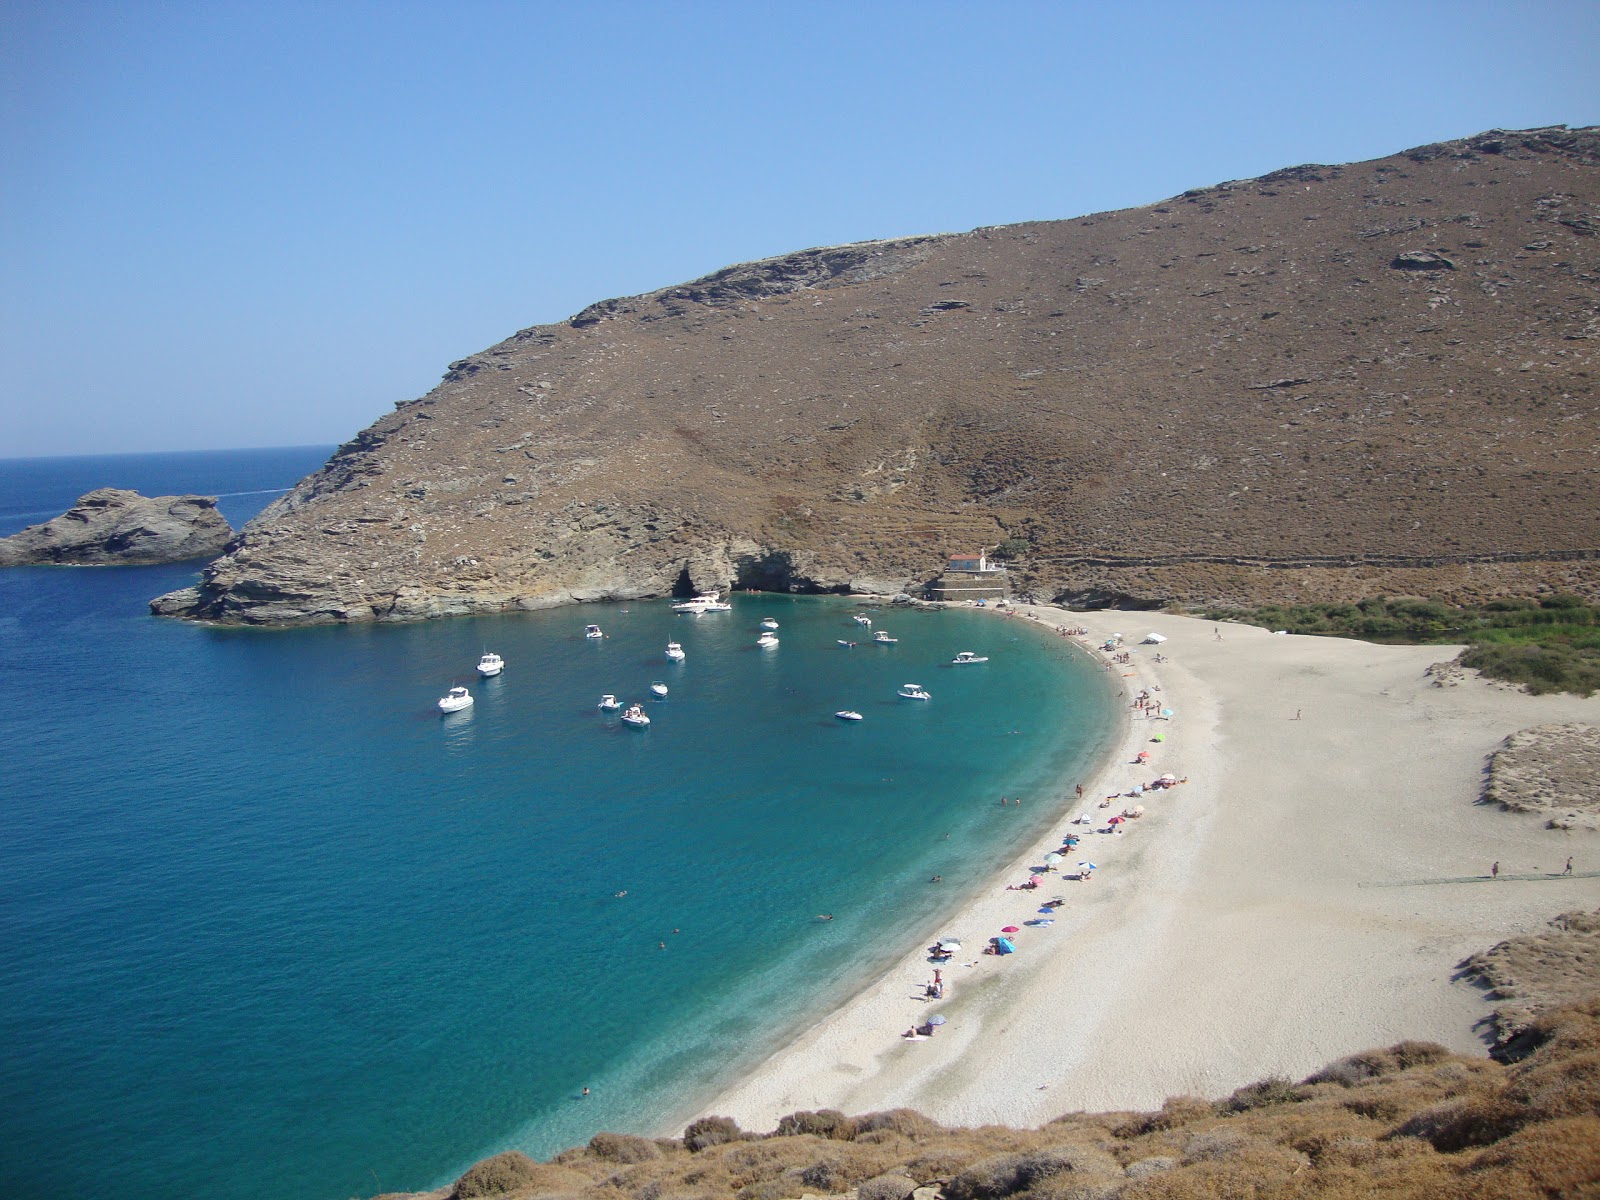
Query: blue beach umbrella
[
  {"x": 1004, "y": 946},
  {"x": 936, "y": 1019}
]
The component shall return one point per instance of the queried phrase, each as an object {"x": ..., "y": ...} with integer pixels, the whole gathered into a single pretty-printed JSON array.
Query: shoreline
[{"x": 1318, "y": 770}]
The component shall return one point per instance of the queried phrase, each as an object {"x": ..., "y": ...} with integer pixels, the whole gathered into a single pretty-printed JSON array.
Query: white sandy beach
[{"x": 1307, "y": 894}]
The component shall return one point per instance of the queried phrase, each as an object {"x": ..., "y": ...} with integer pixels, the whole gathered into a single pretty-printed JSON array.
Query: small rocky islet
[{"x": 117, "y": 527}]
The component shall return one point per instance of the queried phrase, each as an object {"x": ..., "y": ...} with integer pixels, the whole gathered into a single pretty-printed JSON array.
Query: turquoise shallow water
[{"x": 276, "y": 928}]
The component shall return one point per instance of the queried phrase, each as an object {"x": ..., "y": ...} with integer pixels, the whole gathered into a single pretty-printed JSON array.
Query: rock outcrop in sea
[
  {"x": 1324, "y": 384},
  {"x": 112, "y": 526}
]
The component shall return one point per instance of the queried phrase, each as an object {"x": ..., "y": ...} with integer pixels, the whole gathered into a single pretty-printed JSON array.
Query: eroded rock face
[
  {"x": 112, "y": 527},
  {"x": 1230, "y": 397}
]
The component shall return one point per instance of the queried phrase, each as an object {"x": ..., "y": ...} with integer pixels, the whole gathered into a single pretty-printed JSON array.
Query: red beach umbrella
[{"x": 1011, "y": 929}]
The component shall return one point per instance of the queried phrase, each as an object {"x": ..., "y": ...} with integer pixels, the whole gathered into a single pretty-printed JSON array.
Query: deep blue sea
[{"x": 275, "y": 928}]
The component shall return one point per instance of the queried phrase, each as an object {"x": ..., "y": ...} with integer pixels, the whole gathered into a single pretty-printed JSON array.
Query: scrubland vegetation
[
  {"x": 1551, "y": 644},
  {"x": 1411, "y": 1122}
]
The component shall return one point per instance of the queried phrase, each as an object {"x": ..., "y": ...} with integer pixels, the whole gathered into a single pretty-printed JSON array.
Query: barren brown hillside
[{"x": 1323, "y": 383}]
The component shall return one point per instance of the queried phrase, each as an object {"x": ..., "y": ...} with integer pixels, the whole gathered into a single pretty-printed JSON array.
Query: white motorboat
[
  {"x": 842, "y": 642},
  {"x": 703, "y": 603},
  {"x": 675, "y": 652},
  {"x": 914, "y": 691},
  {"x": 609, "y": 703},
  {"x": 635, "y": 716},
  {"x": 767, "y": 639},
  {"x": 967, "y": 656},
  {"x": 490, "y": 664},
  {"x": 768, "y": 623},
  {"x": 848, "y": 714},
  {"x": 883, "y": 639},
  {"x": 862, "y": 619},
  {"x": 592, "y": 631},
  {"x": 455, "y": 700},
  {"x": 659, "y": 688}
]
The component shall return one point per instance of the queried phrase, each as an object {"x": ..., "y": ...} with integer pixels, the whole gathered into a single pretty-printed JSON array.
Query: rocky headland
[
  {"x": 1327, "y": 383},
  {"x": 112, "y": 526}
]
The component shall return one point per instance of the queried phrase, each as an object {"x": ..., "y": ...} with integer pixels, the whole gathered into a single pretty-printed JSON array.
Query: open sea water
[{"x": 274, "y": 927}]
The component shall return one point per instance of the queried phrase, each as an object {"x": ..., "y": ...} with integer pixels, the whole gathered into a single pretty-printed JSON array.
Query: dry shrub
[
  {"x": 711, "y": 1131},
  {"x": 1263, "y": 1094},
  {"x": 825, "y": 1122},
  {"x": 887, "y": 1187},
  {"x": 1177, "y": 1112},
  {"x": 904, "y": 1121},
  {"x": 497, "y": 1175},
  {"x": 1463, "y": 1124},
  {"x": 1566, "y": 1087},
  {"x": 1153, "y": 1165},
  {"x": 1009, "y": 1174},
  {"x": 1556, "y": 1158},
  {"x": 1370, "y": 1064},
  {"x": 623, "y": 1148}
]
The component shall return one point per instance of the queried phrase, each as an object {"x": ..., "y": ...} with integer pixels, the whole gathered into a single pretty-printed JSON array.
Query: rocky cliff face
[
  {"x": 111, "y": 527},
  {"x": 1327, "y": 382}
]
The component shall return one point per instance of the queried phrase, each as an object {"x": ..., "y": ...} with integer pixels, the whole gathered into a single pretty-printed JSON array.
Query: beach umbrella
[
  {"x": 1035, "y": 879},
  {"x": 1042, "y": 921},
  {"x": 1137, "y": 810},
  {"x": 1051, "y": 859},
  {"x": 1166, "y": 712},
  {"x": 1088, "y": 866},
  {"x": 1170, "y": 778},
  {"x": 936, "y": 1019},
  {"x": 1160, "y": 737},
  {"x": 1116, "y": 820},
  {"x": 949, "y": 943},
  {"x": 1011, "y": 929},
  {"x": 1004, "y": 946}
]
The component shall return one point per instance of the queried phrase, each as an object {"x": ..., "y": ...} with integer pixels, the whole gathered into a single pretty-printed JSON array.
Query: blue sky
[{"x": 258, "y": 224}]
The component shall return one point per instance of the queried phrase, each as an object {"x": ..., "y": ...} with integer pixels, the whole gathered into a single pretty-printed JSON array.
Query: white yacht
[
  {"x": 491, "y": 664},
  {"x": 457, "y": 699},
  {"x": 609, "y": 703},
  {"x": 635, "y": 716},
  {"x": 592, "y": 631},
  {"x": 768, "y": 623},
  {"x": 883, "y": 639},
  {"x": 767, "y": 639},
  {"x": 862, "y": 619},
  {"x": 914, "y": 691},
  {"x": 967, "y": 656},
  {"x": 848, "y": 714},
  {"x": 675, "y": 652},
  {"x": 659, "y": 688},
  {"x": 703, "y": 603}
]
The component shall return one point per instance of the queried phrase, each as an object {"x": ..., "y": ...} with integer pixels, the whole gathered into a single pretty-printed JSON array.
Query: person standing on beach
[
  {"x": 1568, "y": 869},
  {"x": 1494, "y": 870}
]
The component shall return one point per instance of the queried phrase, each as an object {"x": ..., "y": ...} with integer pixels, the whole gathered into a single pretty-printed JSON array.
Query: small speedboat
[
  {"x": 675, "y": 652},
  {"x": 862, "y": 619},
  {"x": 592, "y": 631},
  {"x": 848, "y": 714},
  {"x": 609, "y": 703},
  {"x": 768, "y": 623},
  {"x": 703, "y": 603},
  {"x": 883, "y": 639},
  {"x": 842, "y": 642},
  {"x": 967, "y": 656},
  {"x": 659, "y": 688},
  {"x": 455, "y": 700},
  {"x": 635, "y": 716},
  {"x": 914, "y": 691},
  {"x": 490, "y": 664},
  {"x": 767, "y": 639}
]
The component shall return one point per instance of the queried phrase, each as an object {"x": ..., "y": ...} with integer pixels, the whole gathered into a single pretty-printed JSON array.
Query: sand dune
[{"x": 1307, "y": 894}]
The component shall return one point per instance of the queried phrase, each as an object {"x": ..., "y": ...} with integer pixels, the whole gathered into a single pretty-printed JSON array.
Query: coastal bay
[{"x": 1307, "y": 893}]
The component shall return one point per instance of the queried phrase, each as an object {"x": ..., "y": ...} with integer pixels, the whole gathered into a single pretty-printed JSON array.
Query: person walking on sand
[
  {"x": 1494, "y": 870},
  {"x": 1567, "y": 870}
]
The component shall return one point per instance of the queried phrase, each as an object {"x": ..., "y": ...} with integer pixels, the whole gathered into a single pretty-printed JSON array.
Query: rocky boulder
[{"x": 112, "y": 527}]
